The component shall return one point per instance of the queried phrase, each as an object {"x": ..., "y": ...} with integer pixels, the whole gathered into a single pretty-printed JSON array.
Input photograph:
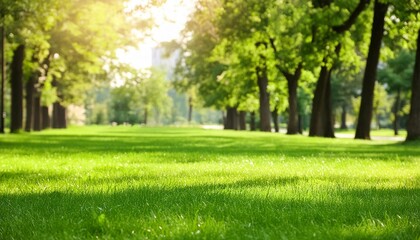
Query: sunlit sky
[{"x": 170, "y": 20}]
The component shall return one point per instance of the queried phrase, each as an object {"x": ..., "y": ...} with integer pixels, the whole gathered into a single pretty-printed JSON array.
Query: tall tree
[
  {"x": 262, "y": 81},
  {"x": 17, "y": 89},
  {"x": 288, "y": 34},
  {"x": 321, "y": 118},
  {"x": 369, "y": 78},
  {"x": 413, "y": 125},
  {"x": 251, "y": 28},
  {"x": 2, "y": 75},
  {"x": 29, "y": 97}
]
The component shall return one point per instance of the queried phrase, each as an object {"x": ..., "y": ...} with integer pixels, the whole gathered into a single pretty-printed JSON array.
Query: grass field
[{"x": 182, "y": 183}]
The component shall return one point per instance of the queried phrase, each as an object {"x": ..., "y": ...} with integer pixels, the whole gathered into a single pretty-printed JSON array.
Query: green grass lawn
[{"x": 182, "y": 183}]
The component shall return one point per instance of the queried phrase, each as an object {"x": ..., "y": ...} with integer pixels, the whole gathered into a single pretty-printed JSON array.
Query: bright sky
[{"x": 170, "y": 19}]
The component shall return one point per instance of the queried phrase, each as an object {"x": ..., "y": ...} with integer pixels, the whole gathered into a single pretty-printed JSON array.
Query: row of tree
[
  {"x": 53, "y": 51},
  {"x": 272, "y": 56},
  {"x": 266, "y": 57}
]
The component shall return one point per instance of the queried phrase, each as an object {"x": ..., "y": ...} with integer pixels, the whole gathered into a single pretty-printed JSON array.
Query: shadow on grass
[
  {"x": 213, "y": 211},
  {"x": 189, "y": 146},
  {"x": 253, "y": 208}
]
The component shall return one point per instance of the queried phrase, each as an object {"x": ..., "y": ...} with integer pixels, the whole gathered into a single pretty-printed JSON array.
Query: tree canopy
[{"x": 299, "y": 61}]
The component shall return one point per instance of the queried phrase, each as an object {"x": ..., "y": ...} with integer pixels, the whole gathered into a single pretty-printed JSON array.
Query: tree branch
[
  {"x": 352, "y": 19},
  {"x": 273, "y": 45}
]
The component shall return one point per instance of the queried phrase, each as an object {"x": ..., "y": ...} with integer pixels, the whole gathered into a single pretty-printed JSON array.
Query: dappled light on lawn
[{"x": 124, "y": 182}]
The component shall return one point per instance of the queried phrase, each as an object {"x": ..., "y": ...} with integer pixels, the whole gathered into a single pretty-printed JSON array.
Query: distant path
[
  {"x": 337, "y": 135},
  {"x": 387, "y": 138},
  {"x": 218, "y": 127}
]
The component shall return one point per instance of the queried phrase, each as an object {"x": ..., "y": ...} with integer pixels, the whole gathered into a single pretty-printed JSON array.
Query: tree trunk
[
  {"x": 59, "y": 116},
  {"x": 292, "y": 86},
  {"x": 275, "y": 116},
  {"x": 231, "y": 118},
  {"x": 55, "y": 115},
  {"x": 265, "y": 122},
  {"x": 396, "y": 110},
  {"x": 2, "y": 76},
  {"x": 190, "y": 109},
  {"x": 242, "y": 120},
  {"x": 293, "y": 123},
  {"x": 37, "y": 118},
  {"x": 63, "y": 117},
  {"x": 46, "y": 123},
  {"x": 30, "y": 89},
  {"x": 413, "y": 124},
  {"x": 37, "y": 112},
  {"x": 321, "y": 119},
  {"x": 369, "y": 78},
  {"x": 300, "y": 124},
  {"x": 343, "y": 124},
  {"x": 17, "y": 89},
  {"x": 252, "y": 125}
]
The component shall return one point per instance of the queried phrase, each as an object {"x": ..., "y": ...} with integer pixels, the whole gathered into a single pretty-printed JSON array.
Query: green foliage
[
  {"x": 142, "y": 92},
  {"x": 398, "y": 72},
  {"x": 222, "y": 53},
  {"x": 131, "y": 182},
  {"x": 121, "y": 98},
  {"x": 71, "y": 42},
  {"x": 152, "y": 94},
  {"x": 381, "y": 106},
  {"x": 345, "y": 84}
]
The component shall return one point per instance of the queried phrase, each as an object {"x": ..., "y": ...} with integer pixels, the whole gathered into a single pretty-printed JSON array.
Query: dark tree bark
[
  {"x": 413, "y": 124},
  {"x": 55, "y": 115},
  {"x": 252, "y": 124},
  {"x": 37, "y": 113},
  {"x": 369, "y": 78},
  {"x": 275, "y": 116},
  {"x": 231, "y": 118},
  {"x": 2, "y": 76},
  {"x": 396, "y": 109},
  {"x": 262, "y": 80},
  {"x": 292, "y": 86},
  {"x": 46, "y": 119},
  {"x": 300, "y": 124},
  {"x": 242, "y": 120},
  {"x": 353, "y": 17},
  {"x": 321, "y": 118},
  {"x": 265, "y": 122},
  {"x": 17, "y": 89},
  {"x": 343, "y": 124},
  {"x": 59, "y": 116},
  {"x": 63, "y": 117},
  {"x": 30, "y": 89},
  {"x": 190, "y": 109},
  {"x": 321, "y": 3},
  {"x": 37, "y": 118}
]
